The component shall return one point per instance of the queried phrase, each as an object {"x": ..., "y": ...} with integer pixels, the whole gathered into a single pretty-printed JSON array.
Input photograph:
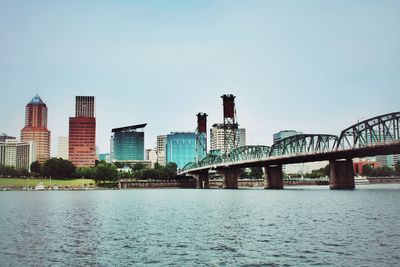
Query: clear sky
[{"x": 311, "y": 66}]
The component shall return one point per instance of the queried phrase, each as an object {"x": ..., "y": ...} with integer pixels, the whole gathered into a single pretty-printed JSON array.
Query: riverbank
[{"x": 25, "y": 183}]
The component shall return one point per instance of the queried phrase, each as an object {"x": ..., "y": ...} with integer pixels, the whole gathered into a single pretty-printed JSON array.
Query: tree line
[
  {"x": 383, "y": 171},
  {"x": 58, "y": 168}
]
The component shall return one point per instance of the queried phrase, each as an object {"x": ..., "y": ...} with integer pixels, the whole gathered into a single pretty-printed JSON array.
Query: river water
[{"x": 298, "y": 226}]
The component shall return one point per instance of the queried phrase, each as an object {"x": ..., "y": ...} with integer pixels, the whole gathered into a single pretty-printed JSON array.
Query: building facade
[
  {"x": 82, "y": 133},
  {"x": 84, "y": 106},
  {"x": 217, "y": 137},
  {"x": 128, "y": 143},
  {"x": 162, "y": 149},
  {"x": 151, "y": 155},
  {"x": 4, "y": 137},
  {"x": 388, "y": 160},
  {"x": 284, "y": 134},
  {"x": 36, "y": 128},
  {"x": 181, "y": 148},
  {"x": 62, "y": 150},
  {"x": 17, "y": 154}
]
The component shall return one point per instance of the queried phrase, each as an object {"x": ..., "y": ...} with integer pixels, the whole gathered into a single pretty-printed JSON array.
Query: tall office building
[
  {"x": 62, "y": 150},
  {"x": 17, "y": 154},
  {"x": 162, "y": 149},
  {"x": 82, "y": 133},
  {"x": 181, "y": 148},
  {"x": 128, "y": 143},
  {"x": 84, "y": 106},
  {"x": 36, "y": 128},
  {"x": 217, "y": 137}
]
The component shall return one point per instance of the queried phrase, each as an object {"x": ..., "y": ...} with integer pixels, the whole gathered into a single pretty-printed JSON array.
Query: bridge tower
[
  {"x": 201, "y": 136},
  {"x": 230, "y": 124}
]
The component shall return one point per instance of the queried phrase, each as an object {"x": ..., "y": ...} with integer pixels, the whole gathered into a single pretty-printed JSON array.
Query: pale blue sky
[{"x": 312, "y": 66}]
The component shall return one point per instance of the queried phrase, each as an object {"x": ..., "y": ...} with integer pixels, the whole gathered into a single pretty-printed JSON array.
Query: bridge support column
[
  {"x": 230, "y": 178},
  {"x": 341, "y": 174},
  {"x": 273, "y": 177},
  {"x": 202, "y": 181}
]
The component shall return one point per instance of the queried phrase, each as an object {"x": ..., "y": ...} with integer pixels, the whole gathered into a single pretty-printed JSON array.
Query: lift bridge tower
[
  {"x": 231, "y": 137},
  {"x": 201, "y": 136}
]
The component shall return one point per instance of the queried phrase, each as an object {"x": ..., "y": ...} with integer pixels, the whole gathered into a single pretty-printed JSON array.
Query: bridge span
[{"x": 379, "y": 135}]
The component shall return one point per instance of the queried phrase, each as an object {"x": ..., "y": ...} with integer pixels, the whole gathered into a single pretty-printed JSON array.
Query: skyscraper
[
  {"x": 181, "y": 148},
  {"x": 162, "y": 149},
  {"x": 84, "y": 106},
  {"x": 62, "y": 151},
  {"x": 128, "y": 143},
  {"x": 82, "y": 133},
  {"x": 217, "y": 137},
  {"x": 36, "y": 128}
]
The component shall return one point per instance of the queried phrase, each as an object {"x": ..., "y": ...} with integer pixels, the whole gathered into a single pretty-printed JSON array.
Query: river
[{"x": 298, "y": 226}]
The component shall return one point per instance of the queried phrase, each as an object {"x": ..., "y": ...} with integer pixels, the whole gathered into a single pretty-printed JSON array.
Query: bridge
[{"x": 375, "y": 136}]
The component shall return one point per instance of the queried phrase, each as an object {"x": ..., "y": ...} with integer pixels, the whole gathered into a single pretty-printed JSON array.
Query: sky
[{"x": 311, "y": 66}]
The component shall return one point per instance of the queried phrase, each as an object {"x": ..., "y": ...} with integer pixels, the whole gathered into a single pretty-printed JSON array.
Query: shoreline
[{"x": 184, "y": 184}]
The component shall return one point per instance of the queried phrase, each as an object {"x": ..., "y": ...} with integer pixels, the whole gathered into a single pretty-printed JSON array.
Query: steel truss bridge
[{"x": 375, "y": 136}]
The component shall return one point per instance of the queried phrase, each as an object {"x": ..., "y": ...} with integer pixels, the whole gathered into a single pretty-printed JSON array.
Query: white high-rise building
[
  {"x": 162, "y": 149},
  {"x": 62, "y": 151},
  {"x": 242, "y": 137},
  {"x": 217, "y": 137},
  {"x": 151, "y": 155},
  {"x": 17, "y": 154}
]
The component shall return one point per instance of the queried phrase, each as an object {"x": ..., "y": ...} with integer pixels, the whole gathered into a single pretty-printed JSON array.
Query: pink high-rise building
[{"x": 36, "y": 128}]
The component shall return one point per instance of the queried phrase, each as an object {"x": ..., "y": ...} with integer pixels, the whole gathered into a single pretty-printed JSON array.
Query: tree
[
  {"x": 58, "y": 168},
  {"x": 65, "y": 169},
  {"x": 256, "y": 172},
  {"x": 35, "y": 168},
  {"x": 170, "y": 170},
  {"x": 106, "y": 172},
  {"x": 367, "y": 170},
  {"x": 138, "y": 167},
  {"x": 85, "y": 172},
  {"x": 151, "y": 174},
  {"x": 397, "y": 168}
]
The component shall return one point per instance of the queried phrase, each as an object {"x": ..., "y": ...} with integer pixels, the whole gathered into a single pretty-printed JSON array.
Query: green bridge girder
[{"x": 380, "y": 130}]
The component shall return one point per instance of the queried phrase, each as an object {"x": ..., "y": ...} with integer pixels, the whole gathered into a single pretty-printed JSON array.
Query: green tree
[
  {"x": 106, "y": 172},
  {"x": 58, "y": 168},
  {"x": 256, "y": 173},
  {"x": 138, "y": 167},
  {"x": 367, "y": 170},
  {"x": 65, "y": 169},
  {"x": 85, "y": 172},
  {"x": 8, "y": 171},
  {"x": 397, "y": 168},
  {"x": 170, "y": 170},
  {"x": 151, "y": 174},
  {"x": 35, "y": 168}
]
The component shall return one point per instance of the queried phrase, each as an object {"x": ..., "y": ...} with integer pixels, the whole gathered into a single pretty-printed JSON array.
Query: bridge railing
[{"x": 377, "y": 131}]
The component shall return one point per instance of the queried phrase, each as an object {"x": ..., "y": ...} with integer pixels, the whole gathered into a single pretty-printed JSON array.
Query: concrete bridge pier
[
  {"x": 341, "y": 174},
  {"x": 203, "y": 181},
  {"x": 273, "y": 177},
  {"x": 230, "y": 178}
]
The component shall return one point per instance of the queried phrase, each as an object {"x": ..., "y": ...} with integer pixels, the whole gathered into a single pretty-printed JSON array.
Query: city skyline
[{"x": 291, "y": 66}]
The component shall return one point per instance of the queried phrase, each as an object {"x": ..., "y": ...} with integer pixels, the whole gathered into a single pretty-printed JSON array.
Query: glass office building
[
  {"x": 181, "y": 148},
  {"x": 128, "y": 143}
]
